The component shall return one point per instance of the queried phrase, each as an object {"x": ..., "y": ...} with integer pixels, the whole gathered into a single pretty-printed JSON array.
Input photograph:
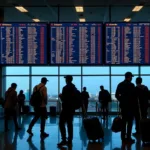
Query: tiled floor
[{"x": 21, "y": 140}]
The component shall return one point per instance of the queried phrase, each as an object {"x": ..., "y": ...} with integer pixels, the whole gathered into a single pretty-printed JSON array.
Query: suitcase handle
[{"x": 118, "y": 110}]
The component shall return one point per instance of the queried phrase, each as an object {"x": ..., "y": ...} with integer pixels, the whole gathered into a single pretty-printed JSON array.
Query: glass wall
[{"x": 89, "y": 76}]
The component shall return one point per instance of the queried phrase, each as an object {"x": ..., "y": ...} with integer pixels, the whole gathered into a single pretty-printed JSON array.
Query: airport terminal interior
[{"x": 96, "y": 42}]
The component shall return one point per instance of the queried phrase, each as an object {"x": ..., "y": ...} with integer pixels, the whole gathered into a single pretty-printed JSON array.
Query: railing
[{"x": 92, "y": 107}]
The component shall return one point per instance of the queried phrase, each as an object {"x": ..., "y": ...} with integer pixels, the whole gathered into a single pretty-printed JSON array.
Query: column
[{"x": 1, "y": 20}]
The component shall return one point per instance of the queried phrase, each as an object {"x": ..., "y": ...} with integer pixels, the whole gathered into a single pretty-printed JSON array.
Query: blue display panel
[
  {"x": 127, "y": 43},
  {"x": 76, "y": 43},
  {"x": 23, "y": 43}
]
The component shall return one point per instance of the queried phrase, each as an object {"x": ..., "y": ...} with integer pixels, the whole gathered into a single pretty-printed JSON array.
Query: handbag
[{"x": 117, "y": 123}]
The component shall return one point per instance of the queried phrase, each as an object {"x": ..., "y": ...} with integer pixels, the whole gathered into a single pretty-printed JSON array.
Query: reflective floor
[{"x": 21, "y": 141}]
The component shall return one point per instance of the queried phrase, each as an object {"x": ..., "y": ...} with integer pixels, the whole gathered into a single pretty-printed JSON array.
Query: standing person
[
  {"x": 85, "y": 97},
  {"x": 21, "y": 100},
  {"x": 67, "y": 112},
  {"x": 10, "y": 106},
  {"x": 104, "y": 99},
  {"x": 41, "y": 111},
  {"x": 125, "y": 94},
  {"x": 142, "y": 102}
]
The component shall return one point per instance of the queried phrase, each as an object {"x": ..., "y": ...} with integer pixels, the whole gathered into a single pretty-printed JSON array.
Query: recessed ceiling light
[
  {"x": 137, "y": 8},
  {"x": 79, "y": 9},
  {"x": 21, "y": 9},
  {"x": 127, "y": 19},
  {"x": 36, "y": 20},
  {"x": 82, "y": 20}
]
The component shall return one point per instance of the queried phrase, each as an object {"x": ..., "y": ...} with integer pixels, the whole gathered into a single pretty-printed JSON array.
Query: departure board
[
  {"x": 23, "y": 43},
  {"x": 127, "y": 43},
  {"x": 76, "y": 43}
]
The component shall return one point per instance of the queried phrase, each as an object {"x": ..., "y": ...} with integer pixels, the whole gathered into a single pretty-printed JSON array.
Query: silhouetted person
[
  {"x": 142, "y": 102},
  {"x": 67, "y": 112},
  {"x": 125, "y": 94},
  {"x": 31, "y": 144},
  {"x": 104, "y": 98},
  {"x": 40, "y": 112},
  {"x": 21, "y": 100},
  {"x": 85, "y": 97},
  {"x": 10, "y": 105},
  {"x": 10, "y": 142}
]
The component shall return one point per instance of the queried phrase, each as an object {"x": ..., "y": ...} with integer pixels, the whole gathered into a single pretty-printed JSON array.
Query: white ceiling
[{"x": 94, "y": 10}]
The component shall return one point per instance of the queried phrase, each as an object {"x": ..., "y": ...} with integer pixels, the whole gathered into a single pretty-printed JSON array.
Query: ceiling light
[
  {"x": 22, "y": 9},
  {"x": 36, "y": 20},
  {"x": 82, "y": 20},
  {"x": 79, "y": 9},
  {"x": 127, "y": 19},
  {"x": 137, "y": 8}
]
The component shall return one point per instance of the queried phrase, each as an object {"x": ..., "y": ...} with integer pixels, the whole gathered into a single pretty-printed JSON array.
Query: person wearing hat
[
  {"x": 40, "y": 112},
  {"x": 125, "y": 94},
  {"x": 67, "y": 112}
]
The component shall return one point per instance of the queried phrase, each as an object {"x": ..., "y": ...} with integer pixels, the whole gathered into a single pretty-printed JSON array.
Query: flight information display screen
[
  {"x": 127, "y": 43},
  {"x": 23, "y": 43},
  {"x": 76, "y": 43}
]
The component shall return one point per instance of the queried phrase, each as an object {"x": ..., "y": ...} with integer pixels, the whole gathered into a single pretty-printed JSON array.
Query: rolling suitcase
[
  {"x": 52, "y": 110},
  {"x": 117, "y": 122},
  {"x": 26, "y": 109},
  {"x": 144, "y": 127},
  {"x": 93, "y": 128}
]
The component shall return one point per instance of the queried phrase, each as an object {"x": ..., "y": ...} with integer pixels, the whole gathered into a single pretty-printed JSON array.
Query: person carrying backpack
[
  {"x": 104, "y": 99},
  {"x": 67, "y": 97},
  {"x": 39, "y": 101}
]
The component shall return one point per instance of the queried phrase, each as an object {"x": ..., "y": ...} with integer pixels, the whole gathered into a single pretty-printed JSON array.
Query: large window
[
  {"x": 121, "y": 70},
  {"x": 52, "y": 86},
  {"x": 70, "y": 70},
  {"x": 76, "y": 81},
  {"x": 95, "y": 70},
  {"x": 89, "y": 76},
  {"x": 93, "y": 85},
  {"x": 16, "y": 71},
  {"x": 22, "y": 84},
  {"x": 44, "y": 70}
]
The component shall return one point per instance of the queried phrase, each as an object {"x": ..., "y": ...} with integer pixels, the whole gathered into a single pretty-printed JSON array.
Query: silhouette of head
[
  {"x": 102, "y": 87},
  {"x": 84, "y": 88},
  {"x": 14, "y": 85},
  {"x": 138, "y": 80},
  {"x": 44, "y": 80},
  {"x": 68, "y": 78},
  {"x": 21, "y": 91},
  {"x": 128, "y": 76}
]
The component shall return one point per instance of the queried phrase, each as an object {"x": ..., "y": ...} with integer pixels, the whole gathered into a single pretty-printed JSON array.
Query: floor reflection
[{"x": 22, "y": 141}]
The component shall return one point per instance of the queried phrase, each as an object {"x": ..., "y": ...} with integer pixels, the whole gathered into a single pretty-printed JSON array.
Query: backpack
[
  {"x": 108, "y": 95},
  {"x": 36, "y": 98},
  {"x": 77, "y": 99}
]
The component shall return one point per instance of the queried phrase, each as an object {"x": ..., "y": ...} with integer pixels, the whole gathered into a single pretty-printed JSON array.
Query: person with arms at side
[
  {"x": 125, "y": 94},
  {"x": 21, "y": 100},
  {"x": 142, "y": 103},
  {"x": 40, "y": 111},
  {"x": 85, "y": 96},
  {"x": 10, "y": 106},
  {"x": 104, "y": 99},
  {"x": 67, "y": 111}
]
